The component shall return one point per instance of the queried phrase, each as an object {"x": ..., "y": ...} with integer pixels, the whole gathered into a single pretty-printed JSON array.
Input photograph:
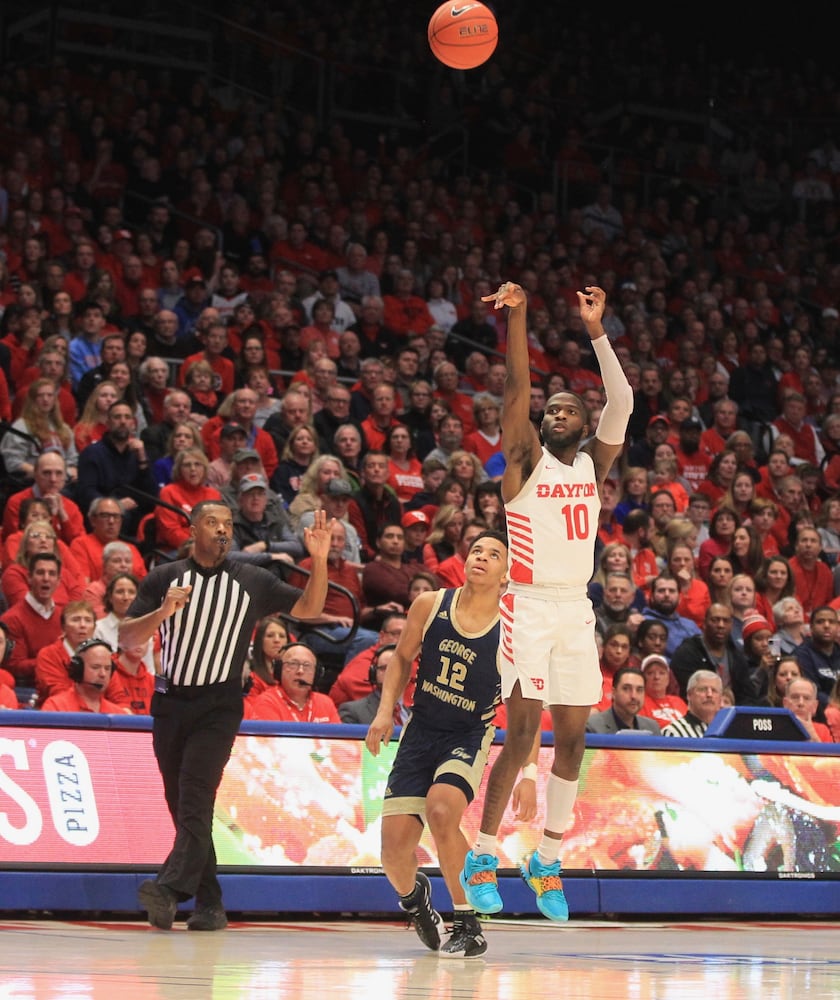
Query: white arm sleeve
[{"x": 612, "y": 427}]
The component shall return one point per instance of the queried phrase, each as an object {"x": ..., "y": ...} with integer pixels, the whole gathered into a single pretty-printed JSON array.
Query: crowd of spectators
[{"x": 207, "y": 300}]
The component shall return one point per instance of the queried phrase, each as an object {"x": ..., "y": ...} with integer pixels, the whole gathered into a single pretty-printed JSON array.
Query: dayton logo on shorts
[{"x": 538, "y": 683}]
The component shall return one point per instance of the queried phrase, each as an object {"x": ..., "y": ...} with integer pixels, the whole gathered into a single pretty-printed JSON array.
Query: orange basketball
[{"x": 463, "y": 35}]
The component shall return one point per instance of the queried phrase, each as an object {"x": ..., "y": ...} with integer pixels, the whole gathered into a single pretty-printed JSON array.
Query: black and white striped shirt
[
  {"x": 688, "y": 725},
  {"x": 206, "y": 642}
]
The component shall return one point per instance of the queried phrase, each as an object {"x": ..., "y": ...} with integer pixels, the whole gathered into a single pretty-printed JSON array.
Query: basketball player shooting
[{"x": 548, "y": 652}]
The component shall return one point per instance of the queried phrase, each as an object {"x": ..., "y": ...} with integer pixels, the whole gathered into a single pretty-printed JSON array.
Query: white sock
[
  {"x": 560, "y": 796},
  {"x": 486, "y": 843}
]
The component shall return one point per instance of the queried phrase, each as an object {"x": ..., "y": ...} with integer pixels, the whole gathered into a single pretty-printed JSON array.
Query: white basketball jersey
[{"x": 552, "y": 523}]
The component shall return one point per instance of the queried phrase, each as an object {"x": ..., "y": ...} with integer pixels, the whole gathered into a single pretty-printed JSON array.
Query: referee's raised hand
[{"x": 317, "y": 538}]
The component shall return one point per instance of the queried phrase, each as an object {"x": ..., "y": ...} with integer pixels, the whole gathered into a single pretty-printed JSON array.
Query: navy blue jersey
[{"x": 458, "y": 684}]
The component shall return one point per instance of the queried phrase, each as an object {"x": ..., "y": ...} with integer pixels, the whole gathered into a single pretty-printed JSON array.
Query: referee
[{"x": 205, "y": 608}]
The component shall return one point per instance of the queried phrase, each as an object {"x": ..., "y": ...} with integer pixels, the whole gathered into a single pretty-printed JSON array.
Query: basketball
[{"x": 463, "y": 35}]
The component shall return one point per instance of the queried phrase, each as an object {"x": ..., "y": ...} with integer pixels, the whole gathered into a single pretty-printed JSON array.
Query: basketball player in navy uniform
[
  {"x": 444, "y": 746},
  {"x": 548, "y": 654}
]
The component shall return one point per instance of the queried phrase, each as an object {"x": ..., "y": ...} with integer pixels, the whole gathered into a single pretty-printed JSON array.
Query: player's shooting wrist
[{"x": 529, "y": 772}]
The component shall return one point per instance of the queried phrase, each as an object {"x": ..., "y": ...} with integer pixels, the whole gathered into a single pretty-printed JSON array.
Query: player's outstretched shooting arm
[
  {"x": 609, "y": 439},
  {"x": 520, "y": 441}
]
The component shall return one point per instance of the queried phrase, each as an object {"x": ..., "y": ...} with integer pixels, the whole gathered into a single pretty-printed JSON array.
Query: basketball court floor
[{"x": 526, "y": 960}]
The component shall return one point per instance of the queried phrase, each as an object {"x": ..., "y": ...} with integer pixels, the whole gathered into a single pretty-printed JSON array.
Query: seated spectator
[
  {"x": 336, "y": 502},
  {"x": 313, "y": 485},
  {"x": 354, "y": 680},
  {"x": 443, "y": 537},
  {"x": 619, "y": 605},
  {"x": 416, "y": 526},
  {"x": 832, "y": 712},
  {"x": 293, "y": 698},
  {"x": 405, "y": 471},
  {"x": 628, "y": 697},
  {"x": 660, "y": 704},
  {"x": 271, "y": 637},
  {"x": 39, "y": 537},
  {"x": 433, "y": 474},
  {"x": 651, "y": 639},
  {"x": 719, "y": 580},
  {"x": 704, "y": 693},
  {"x": 615, "y": 654},
  {"x": 184, "y": 435},
  {"x": 300, "y": 451},
  {"x": 90, "y": 671},
  {"x": 232, "y": 438},
  {"x": 382, "y": 417},
  {"x": 241, "y": 408},
  {"x": 92, "y": 424},
  {"x": 8, "y": 695},
  {"x": 486, "y": 440},
  {"x": 41, "y": 427},
  {"x": 258, "y": 528},
  {"x": 488, "y": 505},
  {"x": 52, "y": 664},
  {"x": 813, "y": 583},
  {"x": 119, "y": 595},
  {"x": 213, "y": 339},
  {"x": 31, "y": 510},
  {"x": 782, "y": 670},
  {"x": 204, "y": 400},
  {"x": 719, "y": 543},
  {"x": 713, "y": 649},
  {"x": 791, "y": 631},
  {"x": 634, "y": 492},
  {"x": 348, "y": 445},
  {"x": 694, "y": 594},
  {"x": 614, "y": 558},
  {"x": 187, "y": 489},
  {"x": 801, "y": 700},
  {"x": 451, "y": 572},
  {"x": 386, "y": 577},
  {"x": 758, "y": 652},
  {"x": 132, "y": 683},
  {"x": 34, "y": 621},
  {"x": 363, "y": 711},
  {"x": 259, "y": 380},
  {"x": 116, "y": 560},
  {"x": 106, "y": 517},
  {"x": 373, "y": 504},
  {"x": 773, "y": 581},
  {"x": 662, "y": 606},
  {"x": 117, "y": 466},
  {"x": 819, "y": 655},
  {"x": 50, "y": 482}
]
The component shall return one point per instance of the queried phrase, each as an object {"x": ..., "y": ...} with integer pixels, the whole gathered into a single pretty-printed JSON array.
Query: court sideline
[{"x": 596, "y": 960}]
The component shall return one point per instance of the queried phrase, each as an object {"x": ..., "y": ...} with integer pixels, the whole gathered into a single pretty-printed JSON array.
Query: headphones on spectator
[
  {"x": 10, "y": 643},
  {"x": 277, "y": 664},
  {"x": 76, "y": 667},
  {"x": 374, "y": 663}
]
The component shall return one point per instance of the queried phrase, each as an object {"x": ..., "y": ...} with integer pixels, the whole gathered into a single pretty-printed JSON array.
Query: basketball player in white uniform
[{"x": 548, "y": 651}]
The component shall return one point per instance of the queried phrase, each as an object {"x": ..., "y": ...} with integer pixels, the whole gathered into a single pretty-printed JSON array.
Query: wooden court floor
[{"x": 526, "y": 960}]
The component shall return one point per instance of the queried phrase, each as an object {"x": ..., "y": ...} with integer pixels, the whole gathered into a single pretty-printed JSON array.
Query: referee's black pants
[{"x": 192, "y": 736}]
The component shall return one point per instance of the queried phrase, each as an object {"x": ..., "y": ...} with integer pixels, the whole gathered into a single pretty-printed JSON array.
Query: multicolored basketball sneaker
[
  {"x": 479, "y": 882},
  {"x": 547, "y": 883}
]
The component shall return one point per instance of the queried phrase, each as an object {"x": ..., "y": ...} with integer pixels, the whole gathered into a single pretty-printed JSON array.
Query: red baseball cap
[{"x": 412, "y": 517}]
